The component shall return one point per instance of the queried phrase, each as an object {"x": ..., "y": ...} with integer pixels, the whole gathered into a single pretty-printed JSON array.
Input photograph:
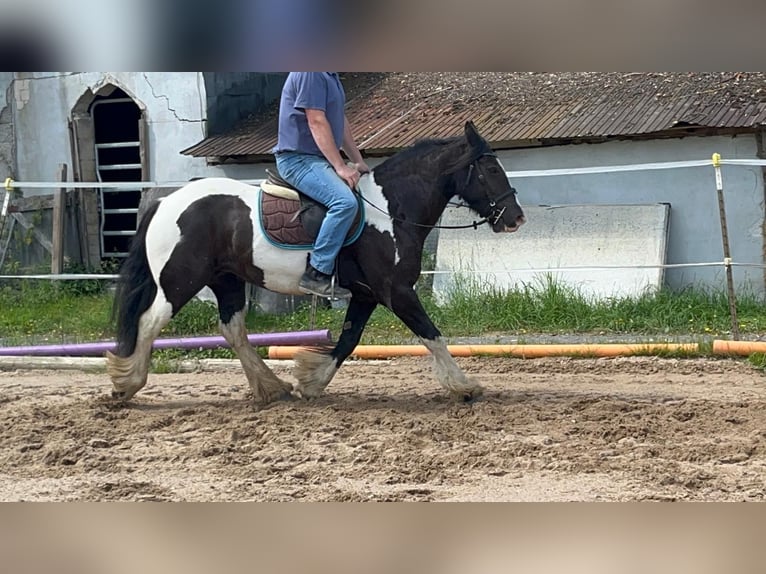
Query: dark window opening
[{"x": 116, "y": 120}]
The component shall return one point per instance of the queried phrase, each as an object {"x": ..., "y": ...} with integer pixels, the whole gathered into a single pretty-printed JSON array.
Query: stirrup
[{"x": 318, "y": 288}]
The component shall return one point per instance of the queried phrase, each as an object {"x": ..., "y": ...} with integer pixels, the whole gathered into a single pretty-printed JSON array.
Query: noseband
[{"x": 496, "y": 212}]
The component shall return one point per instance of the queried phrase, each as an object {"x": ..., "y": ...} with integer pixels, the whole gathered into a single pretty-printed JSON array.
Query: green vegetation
[
  {"x": 758, "y": 360},
  {"x": 550, "y": 307},
  {"x": 40, "y": 312}
]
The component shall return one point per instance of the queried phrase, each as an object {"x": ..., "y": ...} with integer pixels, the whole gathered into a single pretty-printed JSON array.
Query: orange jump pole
[
  {"x": 744, "y": 348},
  {"x": 522, "y": 351}
]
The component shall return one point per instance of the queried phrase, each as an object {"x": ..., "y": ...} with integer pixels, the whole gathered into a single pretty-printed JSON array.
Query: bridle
[
  {"x": 494, "y": 215},
  {"x": 496, "y": 212}
]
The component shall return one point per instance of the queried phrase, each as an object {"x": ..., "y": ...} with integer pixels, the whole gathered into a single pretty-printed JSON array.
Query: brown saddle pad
[
  {"x": 281, "y": 221},
  {"x": 294, "y": 224}
]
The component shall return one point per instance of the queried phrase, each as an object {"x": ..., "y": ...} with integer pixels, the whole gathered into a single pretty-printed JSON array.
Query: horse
[{"x": 208, "y": 233}]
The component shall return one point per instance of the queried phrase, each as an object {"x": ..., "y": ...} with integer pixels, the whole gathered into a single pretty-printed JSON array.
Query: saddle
[{"x": 291, "y": 220}]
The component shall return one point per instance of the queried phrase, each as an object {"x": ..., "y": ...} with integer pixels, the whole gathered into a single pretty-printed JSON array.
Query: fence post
[
  {"x": 726, "y": 251},
  {"x": 59, "y": 211}
]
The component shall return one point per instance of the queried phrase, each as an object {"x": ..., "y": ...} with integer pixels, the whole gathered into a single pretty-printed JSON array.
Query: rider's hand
[
  {"x": 348, "y": 174},
  {"x": 362, "y": 167}
]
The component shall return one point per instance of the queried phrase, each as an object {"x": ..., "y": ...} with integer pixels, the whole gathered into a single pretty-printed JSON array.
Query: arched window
[{"x": 109, "y": 144}]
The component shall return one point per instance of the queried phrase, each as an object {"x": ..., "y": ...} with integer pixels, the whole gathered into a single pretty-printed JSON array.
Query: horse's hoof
[
  {"x": 286, "y": 396},
  {"x": 470, "y": 395},
  {"x": 299, "y": 396},
  {"x": 120, "y": 396},
  {"x": 306, "y": 392},
  {"x": 285, "y": 393}
]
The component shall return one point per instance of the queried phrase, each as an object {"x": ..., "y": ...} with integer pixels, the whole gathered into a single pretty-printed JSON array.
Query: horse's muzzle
[{"x": 502, "y": 227}]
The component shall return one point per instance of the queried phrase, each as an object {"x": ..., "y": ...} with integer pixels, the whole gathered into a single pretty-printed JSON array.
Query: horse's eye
[{"x": 481, "y": 177}]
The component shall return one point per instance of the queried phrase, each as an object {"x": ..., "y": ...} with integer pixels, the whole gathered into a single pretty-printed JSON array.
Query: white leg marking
[
  {"x": 266, "y": 386},
  {"x": 129, "y": 374},
  {"x": 314, "y": 371},
  {"x": 448, "y": 373}
]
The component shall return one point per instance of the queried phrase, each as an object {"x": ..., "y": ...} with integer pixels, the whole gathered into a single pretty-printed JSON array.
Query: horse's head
[{"x": 486, "y": 188}]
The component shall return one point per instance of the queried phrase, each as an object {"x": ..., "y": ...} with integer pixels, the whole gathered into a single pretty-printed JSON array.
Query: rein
[
  {"x": 474, "y": 225},
  {"x": 492, "y": 218}
]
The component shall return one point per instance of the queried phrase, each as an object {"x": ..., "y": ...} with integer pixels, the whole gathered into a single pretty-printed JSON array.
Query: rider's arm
[
  {"x": 349, "y": 146},
  {"x": 320, "y": 129}
]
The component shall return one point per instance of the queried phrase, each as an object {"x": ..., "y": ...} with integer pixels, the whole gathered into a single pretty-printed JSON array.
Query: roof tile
[{"x": 511, "y": 108}]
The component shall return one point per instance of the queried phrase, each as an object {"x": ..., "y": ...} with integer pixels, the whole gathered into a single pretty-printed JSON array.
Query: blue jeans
[{"x": 315, "y": 177}]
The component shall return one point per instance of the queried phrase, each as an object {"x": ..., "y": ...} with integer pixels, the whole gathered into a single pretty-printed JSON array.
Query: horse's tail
[{"x": 136, "y": 288}]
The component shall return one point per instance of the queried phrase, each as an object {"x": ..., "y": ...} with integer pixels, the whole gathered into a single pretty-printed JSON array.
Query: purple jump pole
[{"x": 297, "y": 338}]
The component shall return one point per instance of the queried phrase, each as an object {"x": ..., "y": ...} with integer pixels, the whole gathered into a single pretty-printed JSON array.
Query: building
[
  {"x": 116, "y": 126},
  {"x": 541, "y": 121},
  {"x": 175, "y": 126}
]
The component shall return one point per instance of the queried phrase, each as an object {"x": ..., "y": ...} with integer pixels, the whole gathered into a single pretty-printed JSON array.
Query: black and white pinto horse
[{"x": 207, "y": 233}]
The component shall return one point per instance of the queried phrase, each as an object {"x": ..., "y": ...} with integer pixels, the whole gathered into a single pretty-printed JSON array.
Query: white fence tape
[
  {"x": 632, "y": 167},
  {"x": 607, "y": 169},
  {"x": 11, "y": 184},
  {"x": 62, "y": 276},
  {"x": 129, "y": 185},
  {"x": 75, "y": 276},
  {"x": 761, "y": 162},
  {"x": 596, "y": 268}
]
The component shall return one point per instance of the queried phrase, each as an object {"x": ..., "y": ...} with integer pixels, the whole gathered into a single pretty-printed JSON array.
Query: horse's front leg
[
  {"x": 406, "y": 305},
  {"x": 314, "y": 369},
  {"x": 265, "y": 385}
]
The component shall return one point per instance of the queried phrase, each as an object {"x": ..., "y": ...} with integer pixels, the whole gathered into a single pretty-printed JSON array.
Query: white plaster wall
[
  {"x": 175, "y": 112},
  {"x": 695, "y": 231},
  {"x": 7, "y": 163},
  {"x": 557, "y": 242}
]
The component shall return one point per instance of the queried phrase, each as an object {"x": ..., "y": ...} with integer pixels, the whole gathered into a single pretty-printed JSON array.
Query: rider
[{"x": 313, "y": 128}]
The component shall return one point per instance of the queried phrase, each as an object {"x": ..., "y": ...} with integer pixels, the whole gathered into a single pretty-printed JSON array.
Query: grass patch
[
  {"x": 41, "y": 312},
  {"x": 35, "y": 312},
  {"x": 704, "y": 348},
  {"x": 550, "y": 307},
  {"x": 166, "y": 360},
  {"x": 758, "y": 360}
]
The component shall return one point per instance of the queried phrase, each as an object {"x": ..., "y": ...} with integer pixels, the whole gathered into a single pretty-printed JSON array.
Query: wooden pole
[
  {"x": 726, "y": 250},
  {"x": 313, "y": 312},
  {"x": 59, "y": 212}
]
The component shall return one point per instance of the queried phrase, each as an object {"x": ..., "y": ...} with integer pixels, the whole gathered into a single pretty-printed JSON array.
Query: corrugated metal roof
[{"x": 511, "y": 108}]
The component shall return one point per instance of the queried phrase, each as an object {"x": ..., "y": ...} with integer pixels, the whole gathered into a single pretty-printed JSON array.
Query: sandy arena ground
[{"x": 546, "y": 430}]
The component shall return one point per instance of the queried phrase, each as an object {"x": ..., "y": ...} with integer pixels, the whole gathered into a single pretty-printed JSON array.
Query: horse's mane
[
  {"x": 421, "y": 150},
  {"x": 431, "y": 149}
]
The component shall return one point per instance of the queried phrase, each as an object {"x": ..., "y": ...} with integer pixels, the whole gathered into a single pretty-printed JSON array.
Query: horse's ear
[{"x": 472, "y": 134}]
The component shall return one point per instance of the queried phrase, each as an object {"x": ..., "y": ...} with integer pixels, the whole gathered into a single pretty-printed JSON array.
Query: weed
[
  {"x": 758, "y": 360},
  {"x": 33, "y": 312}
]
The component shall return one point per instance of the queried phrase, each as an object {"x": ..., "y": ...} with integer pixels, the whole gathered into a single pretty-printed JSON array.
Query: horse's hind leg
[
  {"x": 265, "y": 385},
  {"x": 406, "y": 305},
  {"x": 129, "y": 373}
]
